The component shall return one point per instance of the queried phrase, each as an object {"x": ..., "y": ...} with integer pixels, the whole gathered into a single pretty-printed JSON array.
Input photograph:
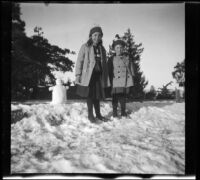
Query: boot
[
  {"x": 123, "y": 106},
  {"x": 114, "y": 104},
  {"x": 90, "y": 110},
  {"x": 97, "y": 110}
]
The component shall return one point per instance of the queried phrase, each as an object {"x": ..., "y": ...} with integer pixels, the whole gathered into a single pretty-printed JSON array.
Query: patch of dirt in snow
[{"x": 60, "y": 139}]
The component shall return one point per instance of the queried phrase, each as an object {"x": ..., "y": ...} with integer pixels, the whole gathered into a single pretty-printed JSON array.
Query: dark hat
[
  {"x": 95, "y": 29},
  {"x": 119, "y": 41}
]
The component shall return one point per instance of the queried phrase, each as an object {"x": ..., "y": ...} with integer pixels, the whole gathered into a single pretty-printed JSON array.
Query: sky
[{"x": 159, "y": 27}]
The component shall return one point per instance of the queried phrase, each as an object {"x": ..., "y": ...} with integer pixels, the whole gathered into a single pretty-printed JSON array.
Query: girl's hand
[{"x": 78, "y": 79}]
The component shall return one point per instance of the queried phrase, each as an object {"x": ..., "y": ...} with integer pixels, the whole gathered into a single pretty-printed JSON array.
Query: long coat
[
  {"x": 85, "y": 65},
  {"x": 121, "y": 72}
]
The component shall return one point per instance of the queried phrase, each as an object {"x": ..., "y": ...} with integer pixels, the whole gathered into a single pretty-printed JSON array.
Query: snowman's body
[{"x": 59, "y": 94}]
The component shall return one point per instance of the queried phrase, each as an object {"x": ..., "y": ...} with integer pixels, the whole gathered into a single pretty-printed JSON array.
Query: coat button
[{"x": 118, "y": 76}]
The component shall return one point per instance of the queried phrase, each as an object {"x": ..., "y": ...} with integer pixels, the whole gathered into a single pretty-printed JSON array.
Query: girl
[
  {"x": 92, "y": 74},
  {"x": 121, "y": 77}
]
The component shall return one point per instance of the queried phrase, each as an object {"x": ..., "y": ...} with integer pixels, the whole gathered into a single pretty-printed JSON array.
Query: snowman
[{"x": 59, "y": 92}]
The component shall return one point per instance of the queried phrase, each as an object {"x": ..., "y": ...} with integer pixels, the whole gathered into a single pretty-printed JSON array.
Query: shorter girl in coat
[{"x": 121, "y": 77}]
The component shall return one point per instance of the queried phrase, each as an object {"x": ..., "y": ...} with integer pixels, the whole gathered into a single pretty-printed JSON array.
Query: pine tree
[
  {"x": 133, "y": 51},
  {"x": 50, "y": 57},
  {"x": 165, "y": 92},
  {"x": 19, "y": 58},
  {"x": 33, "y": 58},
  {"x": 179, "y": 73},
  {"x": 151, "y": 94}
]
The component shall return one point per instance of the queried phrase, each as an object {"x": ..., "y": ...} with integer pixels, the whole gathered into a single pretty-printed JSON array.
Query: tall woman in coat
[
  {"x": 121, "y": 77},
  {"x": 92, "y": 73}
]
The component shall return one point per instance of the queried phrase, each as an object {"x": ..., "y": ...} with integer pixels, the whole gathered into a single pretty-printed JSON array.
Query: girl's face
[
  {"x": 96, "y": 37},
  {"x": 119, "y": 49}
]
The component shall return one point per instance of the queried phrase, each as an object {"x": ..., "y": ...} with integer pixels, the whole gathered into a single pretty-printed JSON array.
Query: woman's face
[
  {"x": 119, "y": 49},
  {"x": 96, "y": 37}
]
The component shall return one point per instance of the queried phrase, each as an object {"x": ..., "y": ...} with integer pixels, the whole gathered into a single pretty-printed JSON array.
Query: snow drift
[{"x": 60, "y": 139}]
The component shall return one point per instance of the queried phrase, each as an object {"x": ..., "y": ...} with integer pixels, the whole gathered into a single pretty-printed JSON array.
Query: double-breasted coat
[
  {"x": 85, "y": 65},
  {"x": 121, "y": 72}
]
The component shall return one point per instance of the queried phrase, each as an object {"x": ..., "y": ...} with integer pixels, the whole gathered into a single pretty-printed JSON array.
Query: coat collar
[
  {"x": 123, "y": 59},
  {"x": 92, "y": 54}
]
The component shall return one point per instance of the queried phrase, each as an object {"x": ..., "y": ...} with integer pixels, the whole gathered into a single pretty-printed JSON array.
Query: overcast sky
[{"x": 159, "y": 27}]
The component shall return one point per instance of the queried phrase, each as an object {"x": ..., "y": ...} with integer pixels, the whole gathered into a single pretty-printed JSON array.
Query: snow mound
[{"x": 60, "y": 139}]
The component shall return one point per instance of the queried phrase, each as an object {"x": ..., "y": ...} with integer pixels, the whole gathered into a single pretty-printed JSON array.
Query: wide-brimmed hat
[
  {"x": 95, "y": 29},
  {"x": 117, "y": 42}
]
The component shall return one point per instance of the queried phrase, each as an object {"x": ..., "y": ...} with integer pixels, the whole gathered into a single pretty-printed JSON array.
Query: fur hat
[
  {"x": 119, "y": 41},
  {"x": 96, "y": 29}
]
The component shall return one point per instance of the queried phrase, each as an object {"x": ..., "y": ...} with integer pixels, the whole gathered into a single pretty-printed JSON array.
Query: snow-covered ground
[{"x": 60, "y": 139}]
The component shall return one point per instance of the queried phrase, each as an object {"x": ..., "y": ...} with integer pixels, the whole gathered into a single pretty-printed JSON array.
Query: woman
[
  {"x": 121, "y": 77},
  {"x": 92, "y": 74}
]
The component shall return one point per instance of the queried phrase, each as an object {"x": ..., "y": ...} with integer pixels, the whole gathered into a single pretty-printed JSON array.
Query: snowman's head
[{"x": 58, "y": 81}]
